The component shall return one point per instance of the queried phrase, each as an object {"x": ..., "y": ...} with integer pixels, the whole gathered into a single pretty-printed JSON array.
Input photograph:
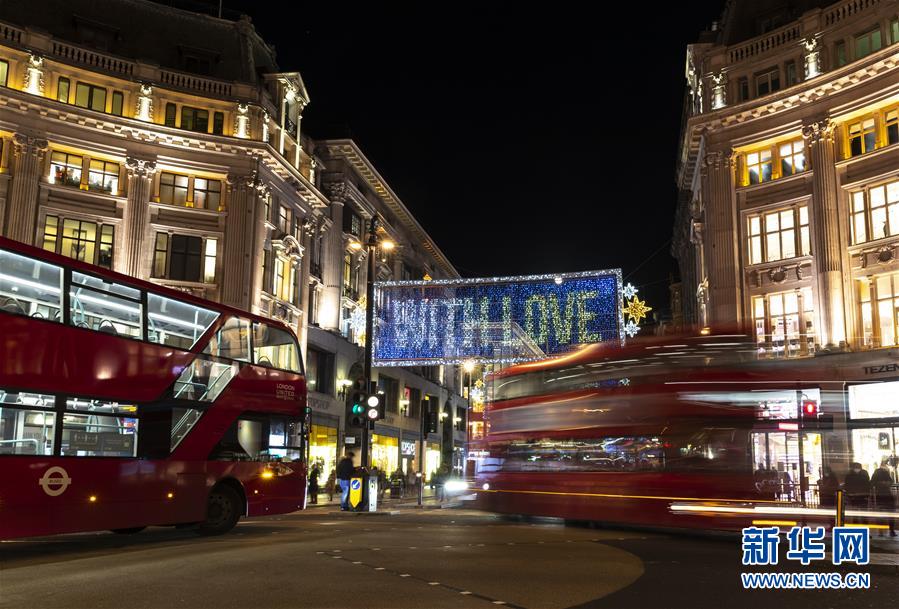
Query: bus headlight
[{"x": 455, "y": 486}]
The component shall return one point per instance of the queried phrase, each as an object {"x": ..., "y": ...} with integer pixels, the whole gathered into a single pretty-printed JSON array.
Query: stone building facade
[
  {"x": 168, "y": 145},
  {"x": 788, "y": 173}
]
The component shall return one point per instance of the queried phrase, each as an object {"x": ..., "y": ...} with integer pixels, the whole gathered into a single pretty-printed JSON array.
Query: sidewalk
[{"x": 429, "y": 500}]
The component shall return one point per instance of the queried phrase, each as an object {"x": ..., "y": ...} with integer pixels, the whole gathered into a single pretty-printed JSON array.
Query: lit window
[
  {"x": 891, "y": 126},
  {"x": 784, "y": 323},
  {"x": 875, "y": 212},
  {"x": 65, "y": 169},
  {"x": 209, "y": 261},
  {"x": 103, "y": 176},
  {"x": 62, "y": 90},
  {"x": 774, "y": 236},
  {"x": 90, "y": 96},
  {"x": 51, "y": 233},
  {"x": 160, "y": 255},
  {"x": 792, "y": 157},
  {"x": 207, "y": 193},
  {"x": 118, "y": 103},
  {"x": 173, "y": 188},
  {"x": 4, "y": 72},
  {"x": 759, "y": 165},
  {"x": 867, "y": 43},
  {"x": 275, "y": 347},
  {"x": 880, "y": 310},
  {"x": 79, "y": 239},
  {"x": 30, "y": 287},
  {"x": 283, "y": 219},
  {"x": 175, "y": 323},
  {"x": 862, "y": 137},
  {"x": 767, "y": 82}
]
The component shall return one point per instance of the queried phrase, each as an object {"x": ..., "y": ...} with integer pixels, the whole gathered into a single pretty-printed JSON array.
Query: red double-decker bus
[
  {"x": 124, "y": 404},
  {"x": 687, "y": 432}
]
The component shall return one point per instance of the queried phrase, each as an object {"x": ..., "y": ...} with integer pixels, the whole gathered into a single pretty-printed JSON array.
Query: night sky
[{"x": 525, "y": 139}]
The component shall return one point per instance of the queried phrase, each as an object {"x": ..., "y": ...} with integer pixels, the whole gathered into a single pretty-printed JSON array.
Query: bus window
[
  {"x": 713, "y": 449},
  {"x": 232, "y": 340},
  {"x": 30, "y": 287},
  {"x": 23, "y": 430},
  {"x": 175, "y": 323},
  {"x": 285, "y": 439},
  {"x": 244, "y": 441},
  {"x": 104, "y": 306},
  {"x": 275, "y": 348},
  {"x": 94, "y": 428}
]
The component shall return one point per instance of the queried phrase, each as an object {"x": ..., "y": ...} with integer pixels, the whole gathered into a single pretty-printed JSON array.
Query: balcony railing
[
  {"x": 92, "y": 59},
  {"x": 847, "y": 9},
  {"x": 763, "y": 44},
  {"x": 209, "y": 86}
]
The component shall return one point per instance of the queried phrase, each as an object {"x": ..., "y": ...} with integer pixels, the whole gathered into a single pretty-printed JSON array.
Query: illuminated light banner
[{"x": 500, "y": 319}]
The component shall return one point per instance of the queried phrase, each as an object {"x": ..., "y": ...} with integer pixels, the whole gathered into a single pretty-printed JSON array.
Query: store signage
[
  {"x": 881, "y": 369},
  {"x": 407, "y": 448},
  {"x": 502, "y": 319},
  {"x": 349, "y": 440}
]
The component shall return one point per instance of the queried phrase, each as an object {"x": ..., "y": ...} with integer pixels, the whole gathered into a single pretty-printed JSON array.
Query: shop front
[
  {"x": 432, "y": 459},
  {"x": 788, "y": 461},
  {"x": 409, "y": 452},
  {"x": 385, "y": 452},
  {"x": 323, "y": 447},
  {"x": 874, "y": 425}
]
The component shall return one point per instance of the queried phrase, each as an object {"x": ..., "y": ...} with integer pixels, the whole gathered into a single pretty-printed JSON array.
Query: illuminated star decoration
[
  {"x": 629, "y": 291},
  {"x": 631, "y": 329},
  {"x": 636, "y": 309}
]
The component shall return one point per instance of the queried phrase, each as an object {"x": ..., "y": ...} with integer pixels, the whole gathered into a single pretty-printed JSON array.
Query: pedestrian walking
[
  {"x": 345, "y": 471},
  {"x": 857, "y": 486}
]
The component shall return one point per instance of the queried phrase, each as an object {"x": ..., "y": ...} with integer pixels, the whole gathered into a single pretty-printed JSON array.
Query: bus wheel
[
  {"x": 128, "y": 531},
  {"x": 222, "y": 511}
]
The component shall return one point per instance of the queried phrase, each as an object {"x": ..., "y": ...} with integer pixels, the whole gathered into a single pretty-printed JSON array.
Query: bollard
[{"x": 841, "y": 509}]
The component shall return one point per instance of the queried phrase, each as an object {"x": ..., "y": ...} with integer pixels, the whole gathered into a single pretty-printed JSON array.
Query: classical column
[
  {"x": 721, "y": 238},
  {"x": 826, "y": 227},
  {"x": 29, "y": 155},
  {"x": 238, "y": 246},
  {"x": 137, "y": 212},
  {"x": 329, "y": 305}
]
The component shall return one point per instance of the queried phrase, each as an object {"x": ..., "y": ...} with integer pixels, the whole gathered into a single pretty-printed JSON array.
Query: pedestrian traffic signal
[
  {"x": 809, "y": 408},
  {"x": 373, "y": 404}
]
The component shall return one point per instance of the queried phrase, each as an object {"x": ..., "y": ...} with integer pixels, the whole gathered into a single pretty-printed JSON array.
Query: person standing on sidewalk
[
  {"x": 313, "y": 484},
  {"x": 344, "y": 472},
  {"x": 881, "y": 488}
]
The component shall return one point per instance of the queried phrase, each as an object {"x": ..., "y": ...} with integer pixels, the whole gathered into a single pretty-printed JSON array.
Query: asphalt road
[{"x": 412, "y": 559}]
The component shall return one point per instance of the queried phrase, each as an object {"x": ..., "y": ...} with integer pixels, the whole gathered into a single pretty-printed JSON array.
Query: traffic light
[
  {"x": 809, "y": 409},
  {"x": 430, "y": 418},
  {"x": 358, "y": 399}
]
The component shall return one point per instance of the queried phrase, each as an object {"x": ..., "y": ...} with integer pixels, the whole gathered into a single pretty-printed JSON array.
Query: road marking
[
  {"x": 433, "y": 583},
  {"x": 465, "y": 592},
  {"x": 357, "y": 562},
  {"x": 379, "y": 568},
  {"x": 404, "y": 575}
]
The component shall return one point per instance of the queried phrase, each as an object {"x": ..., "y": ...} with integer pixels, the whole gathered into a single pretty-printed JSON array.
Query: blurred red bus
[
  {"x": 676, "y": 432},
  {"x": 124, "y": 404}
]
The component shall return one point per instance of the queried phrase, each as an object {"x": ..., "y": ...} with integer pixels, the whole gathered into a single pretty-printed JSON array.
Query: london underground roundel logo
[{"x": 55, "y": 481}]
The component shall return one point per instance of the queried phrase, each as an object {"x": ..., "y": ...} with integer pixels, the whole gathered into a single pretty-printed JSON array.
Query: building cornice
[
  {"x": 822, "y": 87},
  {"x": 127, "y": 129},
  {"x": 348, "y": 150}
]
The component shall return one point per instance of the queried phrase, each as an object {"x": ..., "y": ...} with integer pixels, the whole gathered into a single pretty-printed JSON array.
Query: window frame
[
  {"x": 890, "y": 211},
  {"x": 769, "y": 77},
  {"x": 757, "y": 241},
  {"x": 192, "y": 114},
  {"x": 92, "y": 89}
]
